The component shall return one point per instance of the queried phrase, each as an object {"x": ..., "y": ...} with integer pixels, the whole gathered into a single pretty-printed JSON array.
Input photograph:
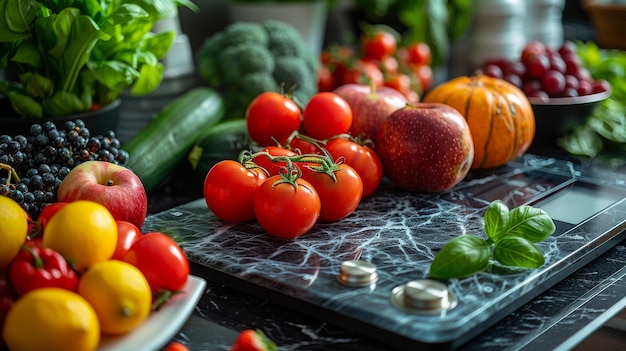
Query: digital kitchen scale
[{"x": 369, "y": 271}]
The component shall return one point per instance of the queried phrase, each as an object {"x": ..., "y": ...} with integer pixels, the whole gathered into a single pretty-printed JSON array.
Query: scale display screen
[{"x": 578, "y": 201}]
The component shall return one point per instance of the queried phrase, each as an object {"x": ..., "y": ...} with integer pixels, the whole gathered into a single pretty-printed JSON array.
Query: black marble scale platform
[{"x": 400, "y": 232}]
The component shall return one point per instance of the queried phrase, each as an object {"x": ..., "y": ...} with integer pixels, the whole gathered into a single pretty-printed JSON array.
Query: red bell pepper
[{"x": 36, "y": 267}]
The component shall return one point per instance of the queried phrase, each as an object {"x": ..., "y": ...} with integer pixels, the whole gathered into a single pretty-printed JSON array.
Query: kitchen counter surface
[{"x": 545, "y": 322}]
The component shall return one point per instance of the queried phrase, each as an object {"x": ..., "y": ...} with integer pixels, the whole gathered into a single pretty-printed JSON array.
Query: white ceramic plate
[{"x": 162, "y": 325}]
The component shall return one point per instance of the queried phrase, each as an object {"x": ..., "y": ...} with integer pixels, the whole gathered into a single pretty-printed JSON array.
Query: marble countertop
[{"x": 579, "y": 296}]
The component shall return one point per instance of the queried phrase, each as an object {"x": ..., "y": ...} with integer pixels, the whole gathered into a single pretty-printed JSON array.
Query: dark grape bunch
[
  {"x": 543, "y": 72},
  {"x": 43, "y": 158}
]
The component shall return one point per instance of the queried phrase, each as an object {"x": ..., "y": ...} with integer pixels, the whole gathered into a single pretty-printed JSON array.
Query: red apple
[
  {"x": 370, "y": 107},
  {"x": 115, "y": 187},
  {"x": 425, "y": 147}
]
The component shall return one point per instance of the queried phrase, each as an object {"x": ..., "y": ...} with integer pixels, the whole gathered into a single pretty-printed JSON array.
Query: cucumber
[
  {"x": 224, "y": 141},
  {"x": 156, "y": 150}
]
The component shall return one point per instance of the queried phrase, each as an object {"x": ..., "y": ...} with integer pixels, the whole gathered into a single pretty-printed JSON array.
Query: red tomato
[
  {"x": 127, "y": 234},
  {"x": 362, "y": 158},
  {"x": 270, "y": 116},
  {"x": 48, "y": 211},
  {"x": 389, "y": 65},
  {"x": 325, "y": 79},
  {"x": 378, "y": 44},
  {"x": 418, "y": 53},
  {"x": 299, "y": 145},
  {"x": 229, "y": 189},
  {"x": 361, "y": 72},
  {"x": 162, "y": 261},
  {"x": 327, "y": 114},
  {"x": 284, "y": 210},
  {"x": 401, "y": 82},
  {"x": 424, "y": 74},
  {"x": 273, "y": 167},
  {"x": 339, "y": 197}
]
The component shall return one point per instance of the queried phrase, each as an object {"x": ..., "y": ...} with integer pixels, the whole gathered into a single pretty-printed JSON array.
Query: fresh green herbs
[
  {"x": 605, "y": 130},
  {"x": 511, "y": 238},
  {"x": 66, "y": 57}
]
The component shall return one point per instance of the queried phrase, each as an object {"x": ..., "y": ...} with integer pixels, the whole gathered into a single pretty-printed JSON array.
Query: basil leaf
[
  {"x": 15, "y": 19},
  {"x": 519, "y": 252},
  {"x": 461, "y": 257},
  {"x": 496, "y": 220},
  {"x": 533, "y": 224}
]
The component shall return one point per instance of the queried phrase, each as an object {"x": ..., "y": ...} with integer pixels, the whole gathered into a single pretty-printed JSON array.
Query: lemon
[
  {"x": 119, "y": 293},
  {"x": 13, "y": 231},
  {"x": 51, "y": 319},
  {"x": 84, "y": 232}
]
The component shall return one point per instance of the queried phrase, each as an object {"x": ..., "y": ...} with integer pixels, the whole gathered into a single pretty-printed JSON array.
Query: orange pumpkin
[{"x": 500, "y": 117}]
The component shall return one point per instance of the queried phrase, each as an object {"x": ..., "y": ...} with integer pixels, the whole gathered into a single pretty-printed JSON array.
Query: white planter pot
[{"x": 308, "y": 18}]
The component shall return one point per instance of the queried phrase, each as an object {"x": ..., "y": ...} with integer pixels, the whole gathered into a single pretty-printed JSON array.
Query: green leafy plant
[
  {"x": 63, "y": 57},
  {"x": 511, "y": 238},
  {"x": 605, "y": 129}
]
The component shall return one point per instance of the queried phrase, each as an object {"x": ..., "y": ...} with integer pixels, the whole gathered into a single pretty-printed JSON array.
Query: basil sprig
[{"x": 511, "y": 238}]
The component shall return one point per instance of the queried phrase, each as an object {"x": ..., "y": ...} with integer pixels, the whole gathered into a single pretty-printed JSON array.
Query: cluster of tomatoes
[
  {"x": 379, "y": 59},
  {"x": 307, "y": 169},
  {"x": 43, "y": 264}
]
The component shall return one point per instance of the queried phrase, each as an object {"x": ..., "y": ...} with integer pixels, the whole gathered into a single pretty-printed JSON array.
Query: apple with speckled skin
[
  {"x": 425, "y": 147},
  {"x": 115, "y": 187}
]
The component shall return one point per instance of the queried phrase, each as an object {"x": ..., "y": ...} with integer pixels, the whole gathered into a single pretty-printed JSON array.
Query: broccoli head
[
  {"x": 239, "y": 61},
  {"x": 257, "y": 53},
  {"x": 245, "y": 32}
]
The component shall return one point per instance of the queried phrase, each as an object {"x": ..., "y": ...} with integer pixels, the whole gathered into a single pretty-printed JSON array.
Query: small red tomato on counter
[
  {"x": 271, "y": 116},
  {"x": 35, "y": 267},
  {"x": 286, "y": 206},
  {"x": 340, "y": 190},
  {"x": 229, "y": 189},
  {"x": 253, "y": 340},
  {"x": 327, "y": 114},
  {"x": 362, "y": 158},
  {"x": 176, "y": 346}
]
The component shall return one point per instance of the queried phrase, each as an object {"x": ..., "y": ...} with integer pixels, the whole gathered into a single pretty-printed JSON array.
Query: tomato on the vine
[
  {"x": 270, "y": 116},
  {"x": 299, "y": 145},
  {"x": 229, "y": 189},
  {"x": 272, "y": 167},
  {"x": 362, "y": 158},
  {"x": 327, "y": 114},
  {"x": 361, "y": 72},
  {"x": 127, "y": 234},
  {"x": 339, "y": 197},
  {"x": 286, "y": 209},
  {"x": 402, "y": 83},
  {"x": 162, "y": 261},
  {"x": 417, "y": 53},
  {"x": 325, "y": 78},
  {"x": 424, "y": 74},
  {"x": 378, "y": 44}
]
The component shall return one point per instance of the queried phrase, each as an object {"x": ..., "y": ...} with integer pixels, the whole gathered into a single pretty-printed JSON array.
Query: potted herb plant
[{"x": 62, "y": 58}]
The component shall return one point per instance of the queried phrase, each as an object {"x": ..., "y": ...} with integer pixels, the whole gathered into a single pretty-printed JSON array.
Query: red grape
[
  {"x": 536, "y": 66},
  {"x": 553, "y": 83}
]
